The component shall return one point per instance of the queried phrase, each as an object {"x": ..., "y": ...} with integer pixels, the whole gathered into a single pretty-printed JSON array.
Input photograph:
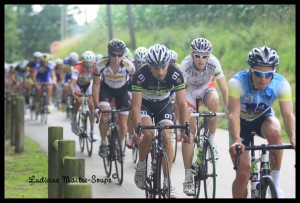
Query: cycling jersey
[
  {"x": 44, "y": 73},
  {"x": 81, "y": 75},
  {"x": 254, "y": 102},
  {"x": 155, "y": 90},
  {"x": 201, "y": 79},
  {"x": 113, "y": 80}
]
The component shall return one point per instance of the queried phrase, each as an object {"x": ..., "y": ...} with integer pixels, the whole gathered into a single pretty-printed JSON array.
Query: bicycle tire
[
  {"x": 210, "y": 171},
  {"x": 149, "y": 178},
  {"x": 118, "y": 152},
  {"x": 163, "y": 192},
  {"x": 88, "y": 131},
  {"x": 107, "y": 161},
  {"x": 265, "y": 184},
  {"x": 80, "y": 137}
]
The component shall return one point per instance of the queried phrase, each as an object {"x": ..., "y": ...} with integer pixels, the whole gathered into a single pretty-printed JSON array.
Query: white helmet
[
  {"x": 59, "y": 61},
  {"x": 201, "y": 45},
  {"x": 140, "y": 54},
  {"x": 263, "y": 56},
  {"x": 158, "y": 55},
  {"x": 174, "y": 55},
  {"x": 88, "y": 57},
  {"x": 99, "y": 56},
  {"x": 23, "y": 64},
  {"x": 37, "y": 54},
  {"x": 74, "y": 56}
]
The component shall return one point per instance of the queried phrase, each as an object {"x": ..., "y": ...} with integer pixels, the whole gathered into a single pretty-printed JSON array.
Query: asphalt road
[{"x": 94, "y": 164}]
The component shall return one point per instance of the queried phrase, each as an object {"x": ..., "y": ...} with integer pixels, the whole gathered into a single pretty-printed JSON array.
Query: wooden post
[
  {"x": 7, "y": 114},
  {"x": 78, "y": 190},
  {"x": 19, "y": 139},
  {"x": 66, "y": 148},
  {"x": 54, "y": 134},
  {"x": 12, "y": 119},
  {"x": 74, "y": 171}
]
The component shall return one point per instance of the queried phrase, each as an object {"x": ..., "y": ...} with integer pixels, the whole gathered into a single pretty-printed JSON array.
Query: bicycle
[
  {"x": 154, "y": 179},
  {"x": 32, "y": 98},
  {"x": 205, "y": 170},
  {"x": 261, "y": 177},
  {"x": 43, "y": 104},
  {"x": 69, "y": 104},
  {"x": 85, "y": 126},
  {"x": 114, "y": 152}
]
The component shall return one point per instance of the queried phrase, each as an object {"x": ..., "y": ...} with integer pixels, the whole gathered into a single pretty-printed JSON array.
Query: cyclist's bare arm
[
  {"x": 96, "y": 90},
  {"x": 72, "y": 85},
  {"x": 224, "y": 90},
  {"x": 234, "y": 108},
  {"x": 286, "y": 108},
  {"x": 136, "y": 108}
]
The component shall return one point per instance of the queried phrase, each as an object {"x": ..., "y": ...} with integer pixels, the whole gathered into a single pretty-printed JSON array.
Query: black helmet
[
  {"x": 158, "y": 55},
  {"x": 263, "y": 56},
  {"x": 117, "y": 46}
]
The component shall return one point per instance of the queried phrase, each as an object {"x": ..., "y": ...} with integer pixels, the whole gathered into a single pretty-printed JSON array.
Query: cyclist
[
  {"x": 20, "y": 75},
  {"x": 251, "y": 94},
  {"x": 44, "y": 73},
  {"x": 151, "y": 87},
  {"x": 110, "y": 81},
  {"x": 199, "y": 71},
  {"x": 69, "y": 62},
  {"x": 81, "y": 79},
  {"x": 58, "y": 68},
  {"x": 139, "y": 60},
  {"x": 30, "y": 73}
]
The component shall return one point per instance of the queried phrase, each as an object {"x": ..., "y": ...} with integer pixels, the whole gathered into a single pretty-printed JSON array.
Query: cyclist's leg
[
  {"x": 91, "y": 108},
  {"x": 271, "y": 130}
]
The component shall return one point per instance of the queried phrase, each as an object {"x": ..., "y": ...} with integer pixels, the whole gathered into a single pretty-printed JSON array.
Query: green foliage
[
  {"x": 20, "y": 166},
  {"x": 12, "y": 42}
]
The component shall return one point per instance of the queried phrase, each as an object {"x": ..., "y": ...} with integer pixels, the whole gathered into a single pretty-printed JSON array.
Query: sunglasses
[
  {"x": 114, "y": 55},
  {"x": 201, "y": 56},
  {"x": 261, "y": 74}
]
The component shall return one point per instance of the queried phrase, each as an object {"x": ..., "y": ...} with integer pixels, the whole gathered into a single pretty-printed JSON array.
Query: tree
[
  {"x": 11, "y": 38},
  {"x": 131, "y": 27}
]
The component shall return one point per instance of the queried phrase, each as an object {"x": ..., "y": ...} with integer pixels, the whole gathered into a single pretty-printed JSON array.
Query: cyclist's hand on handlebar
[
  {"x": 96, "y": 112},
  {"x": 232, "y": 149},
  {"x": 138, "y": 139},
  {"x": 188, "y": 139}
]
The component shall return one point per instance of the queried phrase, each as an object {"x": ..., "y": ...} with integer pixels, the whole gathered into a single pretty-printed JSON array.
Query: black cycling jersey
[{"x": 155, "y": 90}]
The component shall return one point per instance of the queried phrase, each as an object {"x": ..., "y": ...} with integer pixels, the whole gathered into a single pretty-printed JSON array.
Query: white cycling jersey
[
  {"x": 201, "y": 79},
  {"x": 113, "y": 80}
]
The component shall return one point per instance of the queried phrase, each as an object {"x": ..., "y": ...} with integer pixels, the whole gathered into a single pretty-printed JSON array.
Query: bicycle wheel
[
  {"x": 163, "y": 192},
  {"x": 80, "y": 125},
  {"x": 88, "y": 130},
  {"x": 149, "y": 178},
  {"x": 267, "y": 188},
  {"x": 174, "y": 140},
  {"x": 118, "y": 156},
  {"x": 43, "y": 108},
  {"x": 209, "y": 170},
  {"x": 107, "y": 161}
]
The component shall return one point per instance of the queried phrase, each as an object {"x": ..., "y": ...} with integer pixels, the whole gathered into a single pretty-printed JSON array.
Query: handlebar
[
  {"x": 209, "y": 114},
  {"x": 257, "y": 147},
  {"x": 186, "y": 127},
  {"x": 112, "y": 110}
]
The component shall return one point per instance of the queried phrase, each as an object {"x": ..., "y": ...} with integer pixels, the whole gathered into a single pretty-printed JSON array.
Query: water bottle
[
  {"x": 199, "y": 153},
  {"x": 254, "y": 183}
]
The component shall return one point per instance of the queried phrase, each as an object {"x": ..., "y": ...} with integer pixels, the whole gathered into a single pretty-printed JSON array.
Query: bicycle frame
[
  {"x": 264, "y": 177},
  {"x": 113, "y": 155},
  {"x": 158, "y": 155}
]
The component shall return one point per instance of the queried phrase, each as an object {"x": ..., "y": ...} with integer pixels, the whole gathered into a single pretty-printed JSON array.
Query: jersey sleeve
[
  {"x": 234, "y": 88},
  {"x": 284, "y": 91}
]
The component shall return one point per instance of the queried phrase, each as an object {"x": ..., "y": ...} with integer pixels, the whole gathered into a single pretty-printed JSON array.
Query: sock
[
  {"x": 211, "y": 138},
  {"x": 188, "y": 174},
  {"x": 141, "y": 163},
  {"x": 276, "y": 175},
  {"x": 93, "y": 125},
  {"x": 103, "y": 141}
]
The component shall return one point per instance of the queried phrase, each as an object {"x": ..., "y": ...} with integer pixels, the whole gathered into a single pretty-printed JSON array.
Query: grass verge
[{"x": 19, "y": 167}]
